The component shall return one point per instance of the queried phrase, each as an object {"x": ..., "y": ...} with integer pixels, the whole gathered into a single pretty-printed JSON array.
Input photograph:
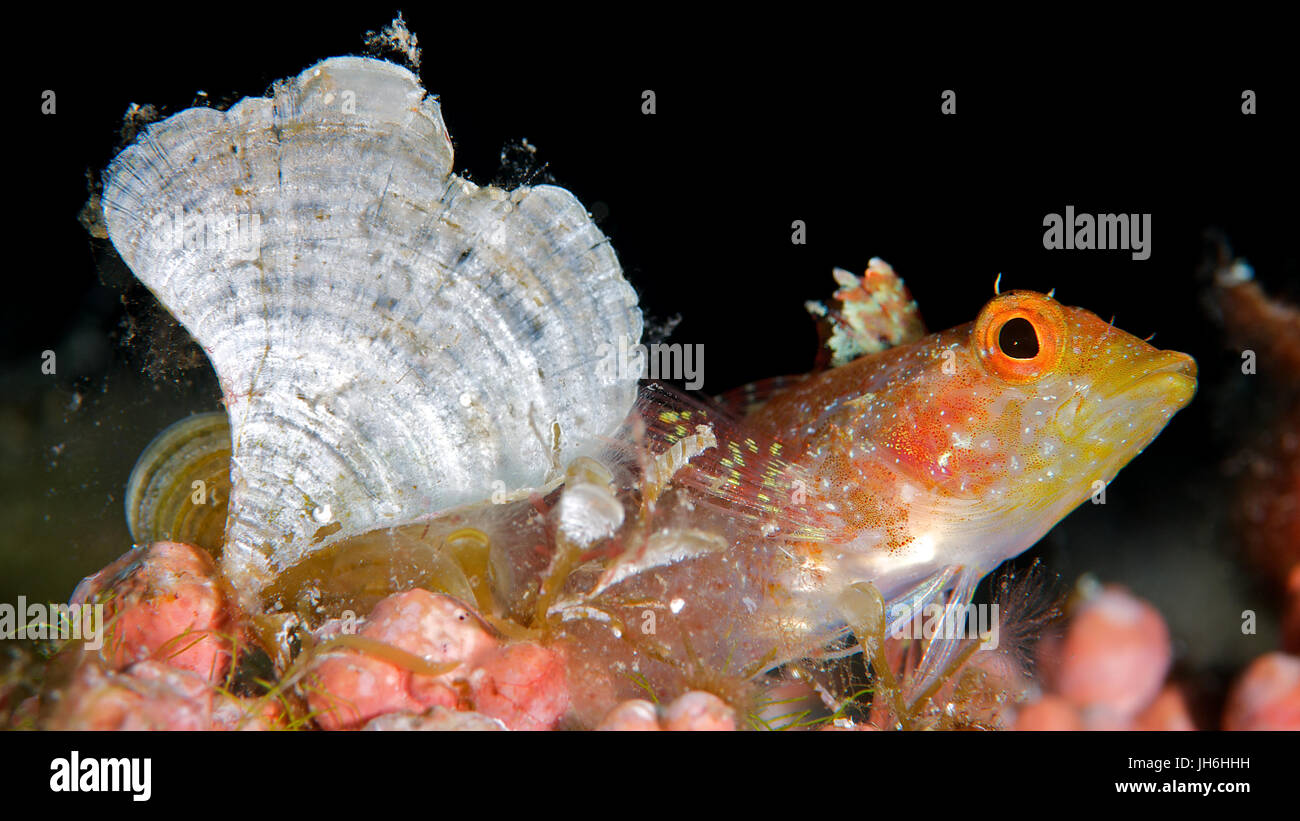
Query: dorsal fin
[
  {"x": 750, "y": 480},
  {"x": 741, "y": 401},
  {"x": 866, "y": 315}
]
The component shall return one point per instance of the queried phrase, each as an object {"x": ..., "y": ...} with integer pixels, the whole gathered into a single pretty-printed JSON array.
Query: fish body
[{"x": 918, "y": 470}]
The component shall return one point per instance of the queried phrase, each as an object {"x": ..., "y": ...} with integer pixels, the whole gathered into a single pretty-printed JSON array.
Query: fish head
[
  {"x": 1072, "y": 398},
  {"x": 985, "y": 436}
]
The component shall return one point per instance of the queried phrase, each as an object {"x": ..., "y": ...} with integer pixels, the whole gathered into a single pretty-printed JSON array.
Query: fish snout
[
  {"x": 1130, "y": 402},
  {"x": 1166, "y": 378}
]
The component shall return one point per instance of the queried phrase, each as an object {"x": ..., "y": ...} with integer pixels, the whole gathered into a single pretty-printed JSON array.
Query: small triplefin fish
[{"x": 917, "y": 470}]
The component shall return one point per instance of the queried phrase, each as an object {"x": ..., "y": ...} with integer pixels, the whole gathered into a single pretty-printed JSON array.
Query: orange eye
[{"x": 1020, "y": 334}]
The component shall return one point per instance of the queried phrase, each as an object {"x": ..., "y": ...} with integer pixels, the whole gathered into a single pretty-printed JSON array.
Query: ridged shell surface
[
  {"x": 391, "y": 339},
  {"x": 179, "y": 489}
]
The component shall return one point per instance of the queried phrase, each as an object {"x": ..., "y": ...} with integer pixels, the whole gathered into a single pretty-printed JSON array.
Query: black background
[{"x": 749, "y": 136}]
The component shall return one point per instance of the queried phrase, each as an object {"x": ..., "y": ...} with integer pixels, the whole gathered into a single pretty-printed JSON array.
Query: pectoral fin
[{"x": 949, "y": 636}]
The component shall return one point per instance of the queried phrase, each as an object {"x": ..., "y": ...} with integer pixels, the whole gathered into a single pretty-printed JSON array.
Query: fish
[{"x": 916, "y": 470}]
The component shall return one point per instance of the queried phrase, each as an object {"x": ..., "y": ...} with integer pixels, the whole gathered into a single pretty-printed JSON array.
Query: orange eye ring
[{"x": 1020, "y": 335}]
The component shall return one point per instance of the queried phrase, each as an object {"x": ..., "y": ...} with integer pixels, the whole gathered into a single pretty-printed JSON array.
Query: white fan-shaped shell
[{"x": 391, "y": 339}]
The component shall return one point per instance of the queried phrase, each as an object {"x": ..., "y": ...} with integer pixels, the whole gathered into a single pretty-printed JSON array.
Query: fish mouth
[
  {"x": 1166, "y": 378},
  {"x": 1132, "y": 404}
]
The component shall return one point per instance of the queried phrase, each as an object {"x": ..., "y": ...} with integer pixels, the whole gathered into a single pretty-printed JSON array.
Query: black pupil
[{"x": 1018, "y": 339}]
